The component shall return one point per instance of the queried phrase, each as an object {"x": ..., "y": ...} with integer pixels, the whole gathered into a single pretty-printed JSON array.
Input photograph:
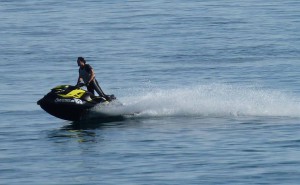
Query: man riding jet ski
[{"x": 71, "y": 102}]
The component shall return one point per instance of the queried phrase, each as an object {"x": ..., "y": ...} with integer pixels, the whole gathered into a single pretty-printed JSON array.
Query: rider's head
[{"x": 80, "y": 61}]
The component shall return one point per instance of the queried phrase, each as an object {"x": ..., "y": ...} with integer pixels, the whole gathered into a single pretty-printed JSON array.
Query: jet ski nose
[{"x": 39, "y": 102}]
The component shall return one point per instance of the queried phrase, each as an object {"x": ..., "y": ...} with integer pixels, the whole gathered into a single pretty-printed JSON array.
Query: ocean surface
[{"x": 215, "y": 83}]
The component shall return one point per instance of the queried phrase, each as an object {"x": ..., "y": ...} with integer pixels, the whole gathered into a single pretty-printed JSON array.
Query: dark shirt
[{"x": 85, "y": 73}]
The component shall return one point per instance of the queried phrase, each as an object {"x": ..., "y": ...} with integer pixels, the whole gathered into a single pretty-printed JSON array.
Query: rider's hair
[{"x": 81, "y": 59}]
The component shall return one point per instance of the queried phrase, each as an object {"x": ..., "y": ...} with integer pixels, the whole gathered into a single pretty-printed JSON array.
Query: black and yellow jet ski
[{"x": 71, "y": 102}]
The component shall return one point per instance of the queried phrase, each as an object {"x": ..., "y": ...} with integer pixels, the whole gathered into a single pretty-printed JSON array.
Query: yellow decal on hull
[{"x": 77, "y": 93}]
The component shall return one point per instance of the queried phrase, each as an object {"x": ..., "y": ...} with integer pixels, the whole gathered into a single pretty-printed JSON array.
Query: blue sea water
[{"x": 215, "y": 83}]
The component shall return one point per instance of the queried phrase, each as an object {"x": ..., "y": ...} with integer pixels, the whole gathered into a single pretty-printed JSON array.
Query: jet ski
[{"x": 71, "y": 102}]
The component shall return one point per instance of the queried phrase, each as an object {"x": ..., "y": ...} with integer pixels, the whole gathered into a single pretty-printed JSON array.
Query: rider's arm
[
  {"x": 92, "y": 75},
  {"x": 79, "y": 80}
]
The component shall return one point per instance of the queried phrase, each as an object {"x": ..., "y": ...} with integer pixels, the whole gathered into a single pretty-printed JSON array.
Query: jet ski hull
[
  {"x": 63, "y": 110},
  {"x": 70, "y": 102}
]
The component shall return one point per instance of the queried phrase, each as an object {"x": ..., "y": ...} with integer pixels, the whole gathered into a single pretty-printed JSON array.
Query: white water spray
[{"x": 208, "y": 100}]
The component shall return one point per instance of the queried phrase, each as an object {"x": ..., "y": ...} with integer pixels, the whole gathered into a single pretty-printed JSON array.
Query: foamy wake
[{"x": 207, "y": 100}]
